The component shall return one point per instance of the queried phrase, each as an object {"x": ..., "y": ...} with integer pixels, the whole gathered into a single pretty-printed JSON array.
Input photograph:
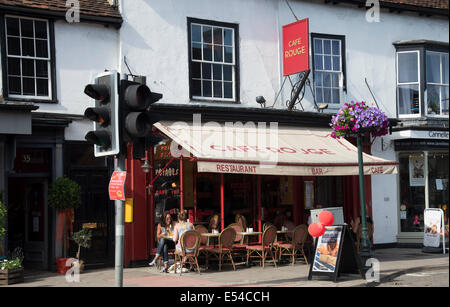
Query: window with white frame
[
  {"x": 408, "y": 83},
  {"x": 213, "y": 61},
  {"x": 437, "y": 83},
  {"x": 28, "y": 58},
  {"x": 328, "y": 53}
]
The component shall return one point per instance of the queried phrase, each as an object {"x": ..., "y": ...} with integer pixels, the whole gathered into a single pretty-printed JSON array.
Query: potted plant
[
  {"x": 83, "y": 239},
  {"x": 64, "y": 195},
  {"x": 2, "y": 224},
  {"x": 11, "y": 269}
]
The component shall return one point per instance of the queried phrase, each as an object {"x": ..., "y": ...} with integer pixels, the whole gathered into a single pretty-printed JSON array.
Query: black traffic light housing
[
  {"x": 104, "y": 114},
  {"x": 136, "y": 117}
]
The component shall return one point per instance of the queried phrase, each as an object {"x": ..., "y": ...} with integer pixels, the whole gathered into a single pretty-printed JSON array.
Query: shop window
[
  {"x": 423, "y": 184},
  {"x": 422, "y": 79},
  {"x": 166, "y": 187},
  {"x": 412, "y": 191},
  {"x": 408, "y": 83},
  {"x": 213, "y": 60},
  {"x": 438, "y": 181},
  {"x": 437, "y": 83},
  {"x": 329, "y": 68},
  {"x": 28, "y": 70},
  {"x": 329, "y": 192}
]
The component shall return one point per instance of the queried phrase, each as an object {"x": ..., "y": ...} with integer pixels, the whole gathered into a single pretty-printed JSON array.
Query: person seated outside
[
  {"x": 355, "y": 225},
  {"x": 164, "y": 230},
  {"x": 181, "y": 227}
]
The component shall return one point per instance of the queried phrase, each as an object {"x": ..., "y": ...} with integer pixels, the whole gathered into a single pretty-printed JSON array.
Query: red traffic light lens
[{"x": 98, "y": 92}]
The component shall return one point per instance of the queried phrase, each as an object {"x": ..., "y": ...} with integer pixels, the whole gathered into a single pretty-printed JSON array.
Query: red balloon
[
  {"x": 316, "y": 229},
  {"x": 326, "y": 218}
]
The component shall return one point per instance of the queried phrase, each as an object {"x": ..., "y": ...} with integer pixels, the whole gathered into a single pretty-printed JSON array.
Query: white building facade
[
  {"x": 349, "y": 47},
  {"x": 225, "y": 54}
]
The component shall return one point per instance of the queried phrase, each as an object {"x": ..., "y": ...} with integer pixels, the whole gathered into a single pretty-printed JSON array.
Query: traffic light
[
  {"x": 104, "y": 114},
  {"x": 137, "y": 120}
]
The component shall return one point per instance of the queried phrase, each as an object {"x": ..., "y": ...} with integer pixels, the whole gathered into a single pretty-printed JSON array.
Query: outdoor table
[
  {"x": 284, "y": 231},
  {"x": 245, "y": 235},
  {"x": 209, "y": 235}
]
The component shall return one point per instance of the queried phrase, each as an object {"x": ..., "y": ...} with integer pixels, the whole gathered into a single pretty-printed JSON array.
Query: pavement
[{"x": 398, "y": 267}]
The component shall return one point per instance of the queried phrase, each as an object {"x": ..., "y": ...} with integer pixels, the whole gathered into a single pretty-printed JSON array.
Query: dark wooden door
[{"x": 96, "y": 213}]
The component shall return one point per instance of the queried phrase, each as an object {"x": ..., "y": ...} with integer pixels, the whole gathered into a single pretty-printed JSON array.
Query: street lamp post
[{"x": 365, "y": 251}]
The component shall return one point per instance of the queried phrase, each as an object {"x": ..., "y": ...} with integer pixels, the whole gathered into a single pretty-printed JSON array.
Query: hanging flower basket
[{"x": 357, "y": 118}]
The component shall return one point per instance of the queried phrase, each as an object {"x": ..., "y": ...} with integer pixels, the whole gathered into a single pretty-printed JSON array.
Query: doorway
[{"x": 28, "y": 220}]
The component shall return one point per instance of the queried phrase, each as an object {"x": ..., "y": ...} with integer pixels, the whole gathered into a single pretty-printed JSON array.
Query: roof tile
[{"x": 100, "y": 8}]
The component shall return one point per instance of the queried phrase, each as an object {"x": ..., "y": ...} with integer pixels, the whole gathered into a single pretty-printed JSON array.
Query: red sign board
[
  {"x": 117, "y": 186},
  {"x": 296, "y": 47}
]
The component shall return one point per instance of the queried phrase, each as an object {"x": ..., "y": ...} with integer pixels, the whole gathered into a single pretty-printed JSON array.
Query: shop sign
[
  {"x": 403, "y": 145},
  {"x": 296, "y": 47},
  {"x": 117, "y": 186},
  {"x": 421, "y": 134},
  {"x": 434, "y": 227}
]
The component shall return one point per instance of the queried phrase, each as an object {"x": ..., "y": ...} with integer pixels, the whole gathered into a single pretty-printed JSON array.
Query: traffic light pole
[{"x": 119, "y": 204}]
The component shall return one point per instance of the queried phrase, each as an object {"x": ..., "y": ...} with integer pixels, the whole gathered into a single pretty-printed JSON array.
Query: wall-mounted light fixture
[{"x": 261, "y": 101}]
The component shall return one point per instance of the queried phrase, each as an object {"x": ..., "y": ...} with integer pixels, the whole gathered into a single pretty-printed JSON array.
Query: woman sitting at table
[
  {"x": 181, "y": 227},
  {"x": 164, "y": 231}
]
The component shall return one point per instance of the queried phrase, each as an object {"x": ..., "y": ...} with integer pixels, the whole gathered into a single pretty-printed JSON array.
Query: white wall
[
  {"x": 154, "y": 40},
  {"x": 82, "y": 50},
  {"x": 370, "y": 54},
  {"x": 369, "y": 46}
]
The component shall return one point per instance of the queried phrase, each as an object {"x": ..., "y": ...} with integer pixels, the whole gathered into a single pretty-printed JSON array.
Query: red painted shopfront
[{"x": 195, "y": 184}]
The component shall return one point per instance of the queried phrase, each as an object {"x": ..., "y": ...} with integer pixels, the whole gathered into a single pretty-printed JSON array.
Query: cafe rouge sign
[{"x": 296, "y": 47}]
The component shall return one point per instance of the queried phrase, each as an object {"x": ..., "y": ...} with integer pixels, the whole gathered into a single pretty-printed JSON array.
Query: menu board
[
  {"x": 327, "y": 250},
  {"x": 433, "y": 220},
  {"x": 335, "y": 253}
]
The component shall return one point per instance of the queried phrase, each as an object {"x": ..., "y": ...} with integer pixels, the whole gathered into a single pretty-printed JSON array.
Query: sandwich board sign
[
  {"x": 335, "y": 253},
  {"x": 434, "y": 229}
]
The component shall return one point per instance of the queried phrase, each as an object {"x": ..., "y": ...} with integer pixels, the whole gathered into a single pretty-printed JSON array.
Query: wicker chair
[
  {"x": 299, "y": 236},
  {"x": 190, "y": 242},
  {"x": 239, "y": 247},
  {"x": 226, "y": 240},
  {"x": 267, "y": 246},
  {"x": 359, "y": 234},
  {"x": 267, "y": 225}
]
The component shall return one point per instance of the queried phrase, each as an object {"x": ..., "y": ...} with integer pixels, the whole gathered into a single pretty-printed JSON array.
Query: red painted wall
[{"x": 136, "y": 233}]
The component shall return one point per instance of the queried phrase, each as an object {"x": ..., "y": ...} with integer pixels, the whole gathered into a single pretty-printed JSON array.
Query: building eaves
[{"x": 97, "y": 11}]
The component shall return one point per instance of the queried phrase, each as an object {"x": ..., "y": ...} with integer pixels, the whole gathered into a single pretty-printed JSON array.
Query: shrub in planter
[
  {"x": 83, "y": 239},
  {"x": 11, "y": 269},
  {"x": 64, "y": 195}
]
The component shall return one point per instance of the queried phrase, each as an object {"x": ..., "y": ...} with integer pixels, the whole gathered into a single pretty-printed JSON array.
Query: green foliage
[
  {"x": 2, "y": 218},
  {"x": 64, "y": 194},
  {"x": 83, "y": 237},
  {"x": 14, "y": 262}
]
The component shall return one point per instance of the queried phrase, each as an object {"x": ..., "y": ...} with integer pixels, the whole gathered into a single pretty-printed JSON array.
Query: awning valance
[{"x": 258, "y": 149}]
